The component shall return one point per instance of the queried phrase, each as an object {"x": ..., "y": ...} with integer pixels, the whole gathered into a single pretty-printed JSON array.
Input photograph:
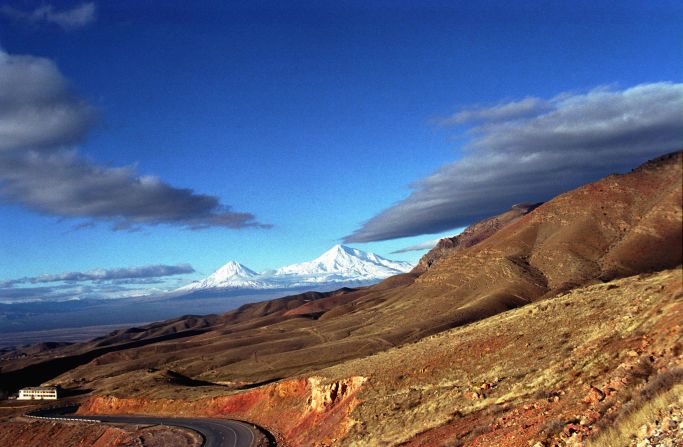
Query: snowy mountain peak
[
  {"x": 337, "y": 255},
  {"x": 232, "y": 269},
  {"x": 233, "y": 274},
  {"x": 339, "y": 264}
]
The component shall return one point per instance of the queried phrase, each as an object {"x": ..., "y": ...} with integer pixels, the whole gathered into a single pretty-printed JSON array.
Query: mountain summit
[
  {"x": 339, "y": 264},
  {"x": 346, "y": 262},
  {"x": 233, "y": 274}
]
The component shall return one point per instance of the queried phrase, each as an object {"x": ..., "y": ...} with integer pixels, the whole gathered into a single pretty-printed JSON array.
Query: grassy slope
[
  {"x": 524, "y": 375},
  {"x": 557, "y": 371}
]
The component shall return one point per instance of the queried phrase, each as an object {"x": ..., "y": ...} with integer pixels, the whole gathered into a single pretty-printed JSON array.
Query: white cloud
[
  {"x": 504, "y": 111},
  {"x": 93, "y": 284},
  {"x": 69, "y": 19},
  {"x": 125, "y": 273}
]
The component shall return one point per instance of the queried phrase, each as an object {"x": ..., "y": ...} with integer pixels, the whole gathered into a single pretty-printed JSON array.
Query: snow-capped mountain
[
  {"x": 233, "y": 274},
  {"x": 344, "y": 262},
  {"x": 339, "y": 264}
]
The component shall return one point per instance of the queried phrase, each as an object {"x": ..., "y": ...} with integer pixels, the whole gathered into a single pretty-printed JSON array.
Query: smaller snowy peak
[
  {"x": 400, "y": 266},
  {"x": 231, "y": 275},
  {"x": 234, "y": 269}
]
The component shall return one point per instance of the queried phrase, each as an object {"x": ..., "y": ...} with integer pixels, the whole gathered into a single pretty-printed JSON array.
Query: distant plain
[{"x": 81, "y": 320}]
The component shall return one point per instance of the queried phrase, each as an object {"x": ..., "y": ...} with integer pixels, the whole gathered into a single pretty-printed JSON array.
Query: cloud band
[{"x": 532, "y": 150}]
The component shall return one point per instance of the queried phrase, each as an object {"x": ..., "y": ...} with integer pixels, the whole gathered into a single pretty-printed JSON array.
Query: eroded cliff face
[
  {"x": 302, "y": 411},
  {"x": 325, "y": 396}
]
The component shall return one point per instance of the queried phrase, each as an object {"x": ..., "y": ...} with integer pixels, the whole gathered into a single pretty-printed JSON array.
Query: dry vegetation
[
  {"x": 661, "y": 395},
  {"x": 556, "y": 372},
  {"x": 549, "y": 372}
]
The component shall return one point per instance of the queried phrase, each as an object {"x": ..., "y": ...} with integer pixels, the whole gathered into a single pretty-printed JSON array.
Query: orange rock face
[{"x": 296, "y": 411}]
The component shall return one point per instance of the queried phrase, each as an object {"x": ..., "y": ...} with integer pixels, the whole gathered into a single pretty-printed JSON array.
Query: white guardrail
[
  {"x": 50, "y": 418},
  {"x": 47, "y": 418}
]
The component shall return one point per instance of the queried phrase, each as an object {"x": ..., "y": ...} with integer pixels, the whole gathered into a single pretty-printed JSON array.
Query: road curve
[{"x": 216, "y": 432}]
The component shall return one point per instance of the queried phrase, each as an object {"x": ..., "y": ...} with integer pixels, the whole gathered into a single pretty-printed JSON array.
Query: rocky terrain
[
  {"x": 664, "y": 429},
  {"x": 547, "y": 325},
  {"x": 53, "y": 433}
]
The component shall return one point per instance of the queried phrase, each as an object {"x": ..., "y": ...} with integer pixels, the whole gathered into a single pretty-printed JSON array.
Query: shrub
[{"x": 657, "y": 394}]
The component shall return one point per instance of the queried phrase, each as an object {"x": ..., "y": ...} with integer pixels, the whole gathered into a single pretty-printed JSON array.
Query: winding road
[{"x": 216, "y": 432}]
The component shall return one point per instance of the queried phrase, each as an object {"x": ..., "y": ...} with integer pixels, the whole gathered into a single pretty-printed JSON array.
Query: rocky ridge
[{"x": 473, "y": 234}]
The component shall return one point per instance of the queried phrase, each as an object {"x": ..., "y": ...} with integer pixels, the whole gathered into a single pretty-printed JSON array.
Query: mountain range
[
  {"x": 338, "y": 265},
  {"x": 554, "y": 324}
]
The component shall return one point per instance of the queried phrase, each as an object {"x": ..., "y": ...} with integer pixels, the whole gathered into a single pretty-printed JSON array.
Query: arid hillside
[
  {"x": 441, "y": 353},
  {"x": 473, "y": 234},
  {"x": 559, "y": 372}
]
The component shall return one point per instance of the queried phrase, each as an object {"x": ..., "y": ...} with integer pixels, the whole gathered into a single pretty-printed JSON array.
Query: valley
[{"x": 229, "y": 287}]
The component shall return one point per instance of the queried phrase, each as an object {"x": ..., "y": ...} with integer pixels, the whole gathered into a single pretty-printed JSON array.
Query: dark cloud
[
  {"x": 63, "y": 184},
  {"x": 68, "y": 19},
  {"x": 37, "y": 108},
  {"x": 149, "y": 271},
  {"x": 532, "y": 150},
  {"x": 40, "y": 120},
  {"x": 10, "y": 283}
]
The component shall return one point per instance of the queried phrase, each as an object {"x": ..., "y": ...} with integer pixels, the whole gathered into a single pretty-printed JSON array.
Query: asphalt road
[{"x": 216, "y": 432}]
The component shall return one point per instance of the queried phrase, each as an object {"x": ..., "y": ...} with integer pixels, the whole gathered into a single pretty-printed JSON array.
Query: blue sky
[{"x": 323, "y": 118}]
